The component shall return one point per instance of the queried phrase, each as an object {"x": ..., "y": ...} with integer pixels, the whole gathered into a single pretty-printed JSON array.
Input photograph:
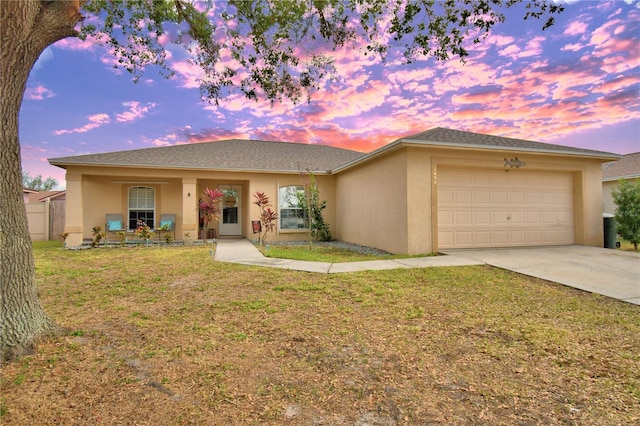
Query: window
[
  {"x": 292, "y": 216},
  {"x": 142, "y": 205}
]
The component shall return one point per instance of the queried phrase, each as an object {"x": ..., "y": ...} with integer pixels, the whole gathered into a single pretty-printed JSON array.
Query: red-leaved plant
[
  {"x": 268, "y": 218},
  {"x": 210, "y": 206}
]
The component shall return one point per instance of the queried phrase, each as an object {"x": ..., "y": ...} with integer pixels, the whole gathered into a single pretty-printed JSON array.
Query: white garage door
[{"x": 498, "y": 208}]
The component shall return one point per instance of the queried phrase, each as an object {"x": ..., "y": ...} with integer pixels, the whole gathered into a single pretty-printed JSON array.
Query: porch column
[
  {"x": 73, "y": 218},
  {"x": 190, "y": 207}
]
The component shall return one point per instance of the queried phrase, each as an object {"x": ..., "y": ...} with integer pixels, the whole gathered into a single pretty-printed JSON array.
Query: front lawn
[
  {"x": 166, "y": 336},
  {"x": 335, "y": 252}
]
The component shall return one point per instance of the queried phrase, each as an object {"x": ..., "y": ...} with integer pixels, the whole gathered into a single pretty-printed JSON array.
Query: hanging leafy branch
[{"x": 277, "y": 49}]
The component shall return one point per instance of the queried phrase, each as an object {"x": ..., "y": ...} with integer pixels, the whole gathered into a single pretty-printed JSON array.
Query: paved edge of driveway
[{"x": 607, "y": 272}]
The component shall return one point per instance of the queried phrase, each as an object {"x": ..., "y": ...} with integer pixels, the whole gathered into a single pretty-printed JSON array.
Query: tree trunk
[{"x": 26, "y": 29}]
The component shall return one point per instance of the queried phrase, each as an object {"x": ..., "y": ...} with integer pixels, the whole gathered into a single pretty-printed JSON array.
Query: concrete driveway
[{"x": 612, "y": 273}]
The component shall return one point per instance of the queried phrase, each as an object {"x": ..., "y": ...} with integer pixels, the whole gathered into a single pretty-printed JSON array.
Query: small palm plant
[
  {"x": 210, "y": 206},
  {"x": 268, "y": 218}
]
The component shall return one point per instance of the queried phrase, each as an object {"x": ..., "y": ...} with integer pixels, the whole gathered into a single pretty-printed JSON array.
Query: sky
[{"x": 575, "y": 84}]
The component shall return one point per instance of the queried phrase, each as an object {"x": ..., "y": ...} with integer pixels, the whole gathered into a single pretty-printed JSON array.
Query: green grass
[
  {"x": 627, "y": 246},
  {"x": 164, "y": 335},
  {"x": 324, "y": 253}
]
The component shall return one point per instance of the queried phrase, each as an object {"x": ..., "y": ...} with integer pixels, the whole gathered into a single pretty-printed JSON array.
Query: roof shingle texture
[
  {"x": 459, "y": 137},
  {"x": 627, "y": 166},
  {"x": 231, "y": 154}
]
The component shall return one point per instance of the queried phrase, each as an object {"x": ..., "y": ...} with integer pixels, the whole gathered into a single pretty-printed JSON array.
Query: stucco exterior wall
[
  {"x": 371, "y": 203},
  {"x": 403, "y": 184},
  {"x": 93, "y": 192}
]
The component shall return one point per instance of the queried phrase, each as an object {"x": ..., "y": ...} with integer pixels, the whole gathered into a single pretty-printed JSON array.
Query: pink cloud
[
  {"x": 573, "y": 47},
  {"x": 74, "y": 43},
  {"x": 188, "y": 75},
  {"x": 533, "y": 48},
  {"x": 576, "y": 28},
  {"x": 136, "y": 111},
  {"x": 38, "y": 93},
  {"x": 95, "y": 121}
]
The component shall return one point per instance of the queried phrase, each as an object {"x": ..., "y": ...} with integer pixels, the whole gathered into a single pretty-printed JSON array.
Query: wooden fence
[{"x": 46, "y": 220}]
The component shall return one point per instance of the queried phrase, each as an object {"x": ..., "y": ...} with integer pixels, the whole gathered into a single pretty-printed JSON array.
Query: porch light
[{"x": 514, "y": 162}]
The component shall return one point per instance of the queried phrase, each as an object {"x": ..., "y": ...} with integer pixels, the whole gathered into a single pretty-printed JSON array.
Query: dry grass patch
[{"x": 166, "y": 336}]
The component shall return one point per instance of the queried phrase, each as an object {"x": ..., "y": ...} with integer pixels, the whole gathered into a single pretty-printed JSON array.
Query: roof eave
[
  {"x": 616, "y": 178},
  {"x": 165, "y": 167},
  {"x": 376, "y": 153},
  {"x": 423, "y": 143},
  {"x": 595, "y": 154}
]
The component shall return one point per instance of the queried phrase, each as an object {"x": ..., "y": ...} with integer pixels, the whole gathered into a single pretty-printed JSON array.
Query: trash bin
[{"x": 610, "y": 232}]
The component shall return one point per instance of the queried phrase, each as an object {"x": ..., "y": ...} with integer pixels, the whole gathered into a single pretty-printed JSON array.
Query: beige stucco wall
[
  {"x": 92, "y": 193},
  {"x": 396, "y": 195},
  {"x": 371, "y": 203}
]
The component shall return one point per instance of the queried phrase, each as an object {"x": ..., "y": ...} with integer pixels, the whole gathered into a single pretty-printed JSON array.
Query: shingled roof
[
  {"x": 230, "y": 154},
  {"x": 288, "y": 157},
  {"x": 459, "y": 138},
  {"x": 628, "y": 167}
]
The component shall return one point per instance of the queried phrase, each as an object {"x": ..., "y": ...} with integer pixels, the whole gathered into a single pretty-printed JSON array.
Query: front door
[{"x": 231, "y": 220}]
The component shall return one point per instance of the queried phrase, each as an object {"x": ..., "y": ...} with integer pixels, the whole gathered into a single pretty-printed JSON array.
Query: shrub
[
  {"x": 627, "y": 199},
  {"x": 268, "y": 218}
]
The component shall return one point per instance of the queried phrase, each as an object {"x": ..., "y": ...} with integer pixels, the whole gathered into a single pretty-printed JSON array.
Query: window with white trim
[
  {"x": 142, "y": 206},
  {"x": 292, "y": 215}
]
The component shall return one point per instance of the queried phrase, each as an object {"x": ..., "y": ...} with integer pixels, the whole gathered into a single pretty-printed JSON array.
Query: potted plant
[{"x": 209, "y": 207}]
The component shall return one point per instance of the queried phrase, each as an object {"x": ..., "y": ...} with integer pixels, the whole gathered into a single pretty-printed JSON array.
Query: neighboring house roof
[
  {"x": 628, "y": 167},
  {"x": 34, "y": 196},
  {"x": 231, "y": 154},
  {"x": 42, "y": 196}
]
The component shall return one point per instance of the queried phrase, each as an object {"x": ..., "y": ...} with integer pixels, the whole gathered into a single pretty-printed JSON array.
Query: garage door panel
[
  {"x": 499, "y": 197},
  {"x": 500, "y": 217},
  {"x": 482, "y": 197},
  {"x": 464, "y": 217},
  {"x": 534, "y": 237},
  {"x": 516, "y": 237},
  {"x": 482, "y": 217},
  {"x": 533, "y": 217},
  {"x": 516, "y": 197},
  {"x": 445, "y": 197},
  {"x": 464, "y": 238},
  {"x": 492, "y": 208},
  {"x": 517, "y": 217},
  {"x": 463, "y": 196},
  {"x": 500, "y": 237},
  {"x": 482, "y": 237}
]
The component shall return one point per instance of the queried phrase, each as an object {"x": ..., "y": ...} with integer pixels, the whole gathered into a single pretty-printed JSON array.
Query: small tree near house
[
  {"x": 627, "y": 199},
  {"x": 268, "y": 217},
  {"x": 309, "y": 201}
]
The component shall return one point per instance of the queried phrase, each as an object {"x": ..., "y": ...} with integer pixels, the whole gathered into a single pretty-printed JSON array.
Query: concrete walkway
[
  {"x": 612, "y": 273},
  {"x": 244, "y": 252}
]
